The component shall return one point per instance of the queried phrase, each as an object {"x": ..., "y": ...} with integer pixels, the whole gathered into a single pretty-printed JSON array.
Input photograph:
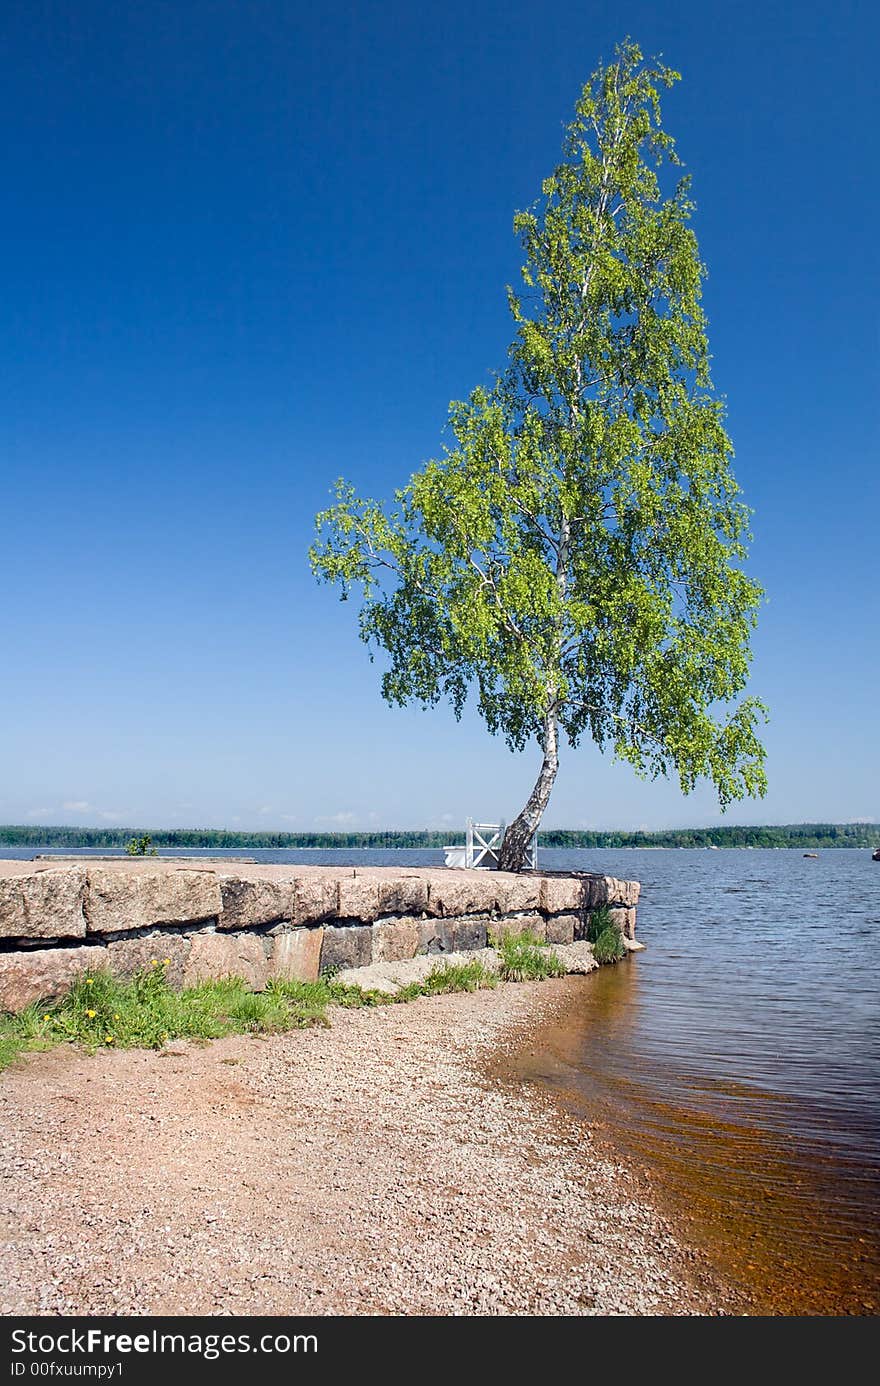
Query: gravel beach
[{"x": 376, "y": 1167}]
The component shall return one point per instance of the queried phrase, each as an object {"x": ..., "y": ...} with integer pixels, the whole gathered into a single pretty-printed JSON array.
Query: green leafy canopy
[{"x": 575, "y": 557}]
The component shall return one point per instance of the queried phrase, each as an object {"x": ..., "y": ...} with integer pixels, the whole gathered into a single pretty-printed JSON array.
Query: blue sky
[{"x": 251, "y": 247}]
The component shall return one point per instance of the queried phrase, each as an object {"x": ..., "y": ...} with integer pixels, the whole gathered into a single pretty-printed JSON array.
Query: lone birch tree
[{"x": 575, "y": 557}]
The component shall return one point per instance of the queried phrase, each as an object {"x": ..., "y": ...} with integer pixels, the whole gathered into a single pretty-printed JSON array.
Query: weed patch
[
  {"x": 605, "y": 936},
  {"x": 143, "y": 1012},
  {"x": 467, "y": 976},
  {"x": 525, "y": 958}
]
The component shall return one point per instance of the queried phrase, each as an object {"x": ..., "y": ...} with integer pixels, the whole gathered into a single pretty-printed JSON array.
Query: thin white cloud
[
  {"x": 115, "y": 815},
  {"x": 340, "y": 820},
  {"x": 76, "y": 805},
  {"x": 39, "y": 813}
]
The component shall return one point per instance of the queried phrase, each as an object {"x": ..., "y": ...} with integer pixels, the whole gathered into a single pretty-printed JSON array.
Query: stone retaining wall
[{"x": 212, "y": 919}]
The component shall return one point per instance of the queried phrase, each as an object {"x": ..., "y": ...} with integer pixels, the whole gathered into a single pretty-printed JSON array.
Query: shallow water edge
[{"x": 784, "y": 1226}]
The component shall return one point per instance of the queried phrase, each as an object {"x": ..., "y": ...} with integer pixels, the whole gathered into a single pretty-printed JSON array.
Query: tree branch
[{"x": 488, "y": 581}]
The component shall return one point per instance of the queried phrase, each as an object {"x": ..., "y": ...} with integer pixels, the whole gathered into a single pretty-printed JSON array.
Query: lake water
[{"x": 737, "y": 1059}]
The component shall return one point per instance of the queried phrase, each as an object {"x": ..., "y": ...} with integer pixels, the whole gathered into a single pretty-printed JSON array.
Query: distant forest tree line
[{"x": 785, "y": 835}]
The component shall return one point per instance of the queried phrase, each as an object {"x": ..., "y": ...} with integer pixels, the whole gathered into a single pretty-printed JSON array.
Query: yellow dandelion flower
[
  {"x": 154, "y": 962},
  {"x": 166, "y": 962},
  {"x": 91, "y": 1014},
  {"x": 90, "y": 981},
  {"x": 116, "y": 1017},
  {"x": 47, "y": 1017},
  {"x": 108, "y": 1039}
]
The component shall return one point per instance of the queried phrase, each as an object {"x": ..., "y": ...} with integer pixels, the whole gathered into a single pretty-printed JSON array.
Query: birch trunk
[{"x": 512, "y": 856}]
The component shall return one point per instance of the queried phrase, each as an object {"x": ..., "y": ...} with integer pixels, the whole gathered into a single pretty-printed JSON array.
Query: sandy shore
[{"x": 375, "y": 1167}]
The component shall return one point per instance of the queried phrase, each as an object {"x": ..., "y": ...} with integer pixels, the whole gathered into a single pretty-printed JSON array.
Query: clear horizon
[
  {"x": 248, "y": 251},
  {"x": 548, "y": 826}
]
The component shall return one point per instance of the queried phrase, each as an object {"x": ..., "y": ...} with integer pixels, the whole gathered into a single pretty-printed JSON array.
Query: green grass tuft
[
  {"x": 10, "y": 1048},
  {"x": 467, "y": 976},
  {"x": 526, "y": 958},
  {"x": 598, "y": 922},
  {"x": 605, "y": 936},
  {"x": 308, "y": 1000},
  {"x": 410, "y": 992},
  {"x": 608, "y": 947},
  {"x": 349, "y": 995}
]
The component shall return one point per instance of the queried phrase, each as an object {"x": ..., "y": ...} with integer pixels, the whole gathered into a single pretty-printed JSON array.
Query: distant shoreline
[{"x": 791, "y": 835}]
